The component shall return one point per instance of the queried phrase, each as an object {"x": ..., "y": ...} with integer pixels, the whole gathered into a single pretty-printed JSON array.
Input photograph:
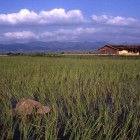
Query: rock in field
[{"x": 29, "y": 107}]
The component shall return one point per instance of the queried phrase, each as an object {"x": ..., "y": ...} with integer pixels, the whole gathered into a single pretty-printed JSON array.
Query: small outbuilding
[{"x": 120, "y": 50}]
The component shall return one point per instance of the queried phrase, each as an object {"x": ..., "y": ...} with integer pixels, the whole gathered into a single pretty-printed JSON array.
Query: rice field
[{"x": 91, "y": 98}]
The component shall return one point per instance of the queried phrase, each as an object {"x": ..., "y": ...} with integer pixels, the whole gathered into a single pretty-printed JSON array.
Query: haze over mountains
[{"x": 53, "y": 46}]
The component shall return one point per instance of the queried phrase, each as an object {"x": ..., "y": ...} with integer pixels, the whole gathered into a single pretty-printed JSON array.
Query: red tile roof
[{"x": 125, "y": 47}]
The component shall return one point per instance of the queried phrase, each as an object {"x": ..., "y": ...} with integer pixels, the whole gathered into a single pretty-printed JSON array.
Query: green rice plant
[{"x": 90, "y": 97}]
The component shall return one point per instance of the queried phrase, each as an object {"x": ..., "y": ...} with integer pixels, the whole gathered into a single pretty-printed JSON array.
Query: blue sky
[{"x": 114, "y": 21}]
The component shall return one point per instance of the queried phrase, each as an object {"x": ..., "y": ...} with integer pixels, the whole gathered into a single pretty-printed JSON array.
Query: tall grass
[{"x": 95, "y": 98}]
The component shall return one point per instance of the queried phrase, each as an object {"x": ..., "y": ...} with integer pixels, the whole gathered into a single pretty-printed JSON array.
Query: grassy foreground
[{"x": 91, "y": 99}]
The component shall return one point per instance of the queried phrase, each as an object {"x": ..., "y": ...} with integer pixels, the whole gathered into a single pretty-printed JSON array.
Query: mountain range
[{"x": 53, "y": 46}]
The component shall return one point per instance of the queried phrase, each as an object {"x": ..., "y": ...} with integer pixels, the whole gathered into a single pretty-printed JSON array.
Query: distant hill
[{"x": 54, "y": 46}]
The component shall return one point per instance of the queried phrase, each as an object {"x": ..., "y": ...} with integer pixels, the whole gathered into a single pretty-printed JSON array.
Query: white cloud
[
  {"x": 110, "y": 20},
  {"x": 23, "y": 35},
  {"x": 77, "y": 31},
  {"x": 60, "y": 35},
  {"x": 55, "y": 16},
  {"x": 109, "y": 34},
  {"x": 70, "y": 34}
]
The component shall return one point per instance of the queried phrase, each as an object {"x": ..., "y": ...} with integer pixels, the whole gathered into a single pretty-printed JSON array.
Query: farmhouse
[{"x": 120, "y": 50}]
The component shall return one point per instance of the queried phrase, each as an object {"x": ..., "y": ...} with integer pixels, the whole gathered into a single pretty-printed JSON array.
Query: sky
[{"x": 113, "y": 21}]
